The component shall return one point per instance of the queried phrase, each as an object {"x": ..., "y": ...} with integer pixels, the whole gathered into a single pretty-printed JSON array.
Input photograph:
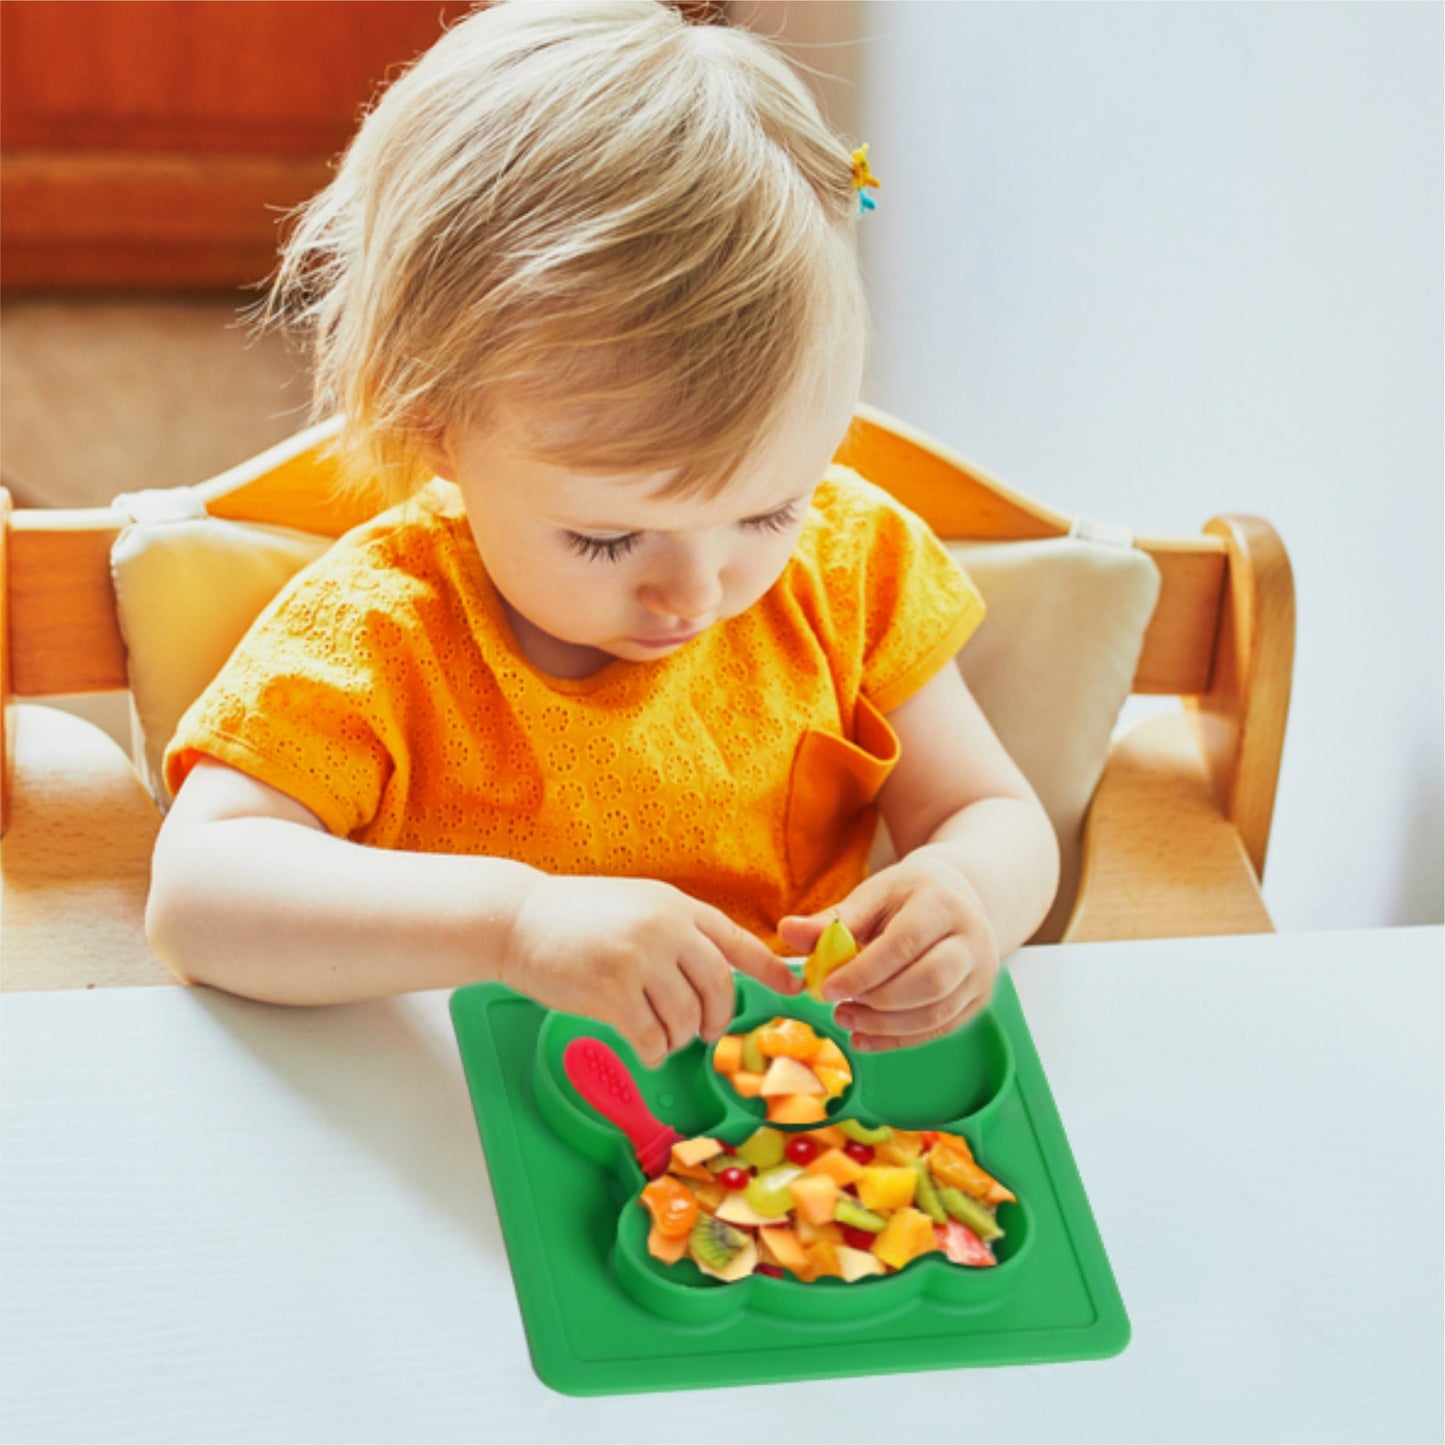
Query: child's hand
[
  {"x": 927, "y": 958},
  {"x": 642, "y": 956}
]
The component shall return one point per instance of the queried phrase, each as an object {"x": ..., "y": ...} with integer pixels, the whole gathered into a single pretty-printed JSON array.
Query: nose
[{"x": 688, "y": 589}]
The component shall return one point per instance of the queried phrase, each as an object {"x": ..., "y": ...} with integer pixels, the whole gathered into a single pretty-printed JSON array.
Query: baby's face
[{"x": 593, "y": 568}]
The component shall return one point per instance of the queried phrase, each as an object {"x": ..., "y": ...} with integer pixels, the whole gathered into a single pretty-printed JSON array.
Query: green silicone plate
[{"x": 603, "y": 1317}]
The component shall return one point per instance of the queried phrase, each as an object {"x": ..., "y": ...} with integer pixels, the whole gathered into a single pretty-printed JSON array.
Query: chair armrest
[
  {"x": 1160, "y": 859},
  {"x": 75, "y": 861}
]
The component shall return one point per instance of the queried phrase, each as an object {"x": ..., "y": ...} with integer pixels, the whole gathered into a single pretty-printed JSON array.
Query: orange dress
[{"x": 384, "y": 690}]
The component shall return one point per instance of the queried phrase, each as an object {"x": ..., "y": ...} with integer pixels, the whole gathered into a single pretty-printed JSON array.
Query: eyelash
[{"x": 614, "y": 549}]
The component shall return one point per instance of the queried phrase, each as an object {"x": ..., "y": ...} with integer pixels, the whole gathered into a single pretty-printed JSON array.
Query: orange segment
[
  {"x": 673, "y": 1209},
  {"x": 952, "y": 1164},
  {"x": 789, "y": 1039}
]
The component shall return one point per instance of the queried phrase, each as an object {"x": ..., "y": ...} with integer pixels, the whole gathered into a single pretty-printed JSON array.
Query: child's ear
[{"x": 437, "y": 451}]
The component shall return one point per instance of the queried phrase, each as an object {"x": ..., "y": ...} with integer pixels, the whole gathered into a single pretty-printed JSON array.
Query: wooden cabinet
[{"x": 154, "y": 143}]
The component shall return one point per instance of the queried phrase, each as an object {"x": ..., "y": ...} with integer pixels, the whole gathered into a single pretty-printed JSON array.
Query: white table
[{"x": 227, "y": 1221}]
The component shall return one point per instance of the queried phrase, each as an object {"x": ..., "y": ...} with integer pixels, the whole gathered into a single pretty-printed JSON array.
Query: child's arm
[
  {"x": 978, "y": 868},
  {"x": 251, "y": 894}
]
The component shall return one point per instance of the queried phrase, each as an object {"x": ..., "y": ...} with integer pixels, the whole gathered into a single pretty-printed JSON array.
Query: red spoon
[{"x": 600, "y": 1076}]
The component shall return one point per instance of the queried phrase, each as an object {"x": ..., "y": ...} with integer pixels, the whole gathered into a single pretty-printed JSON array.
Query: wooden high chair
[{"x": 1174, "y": 842}]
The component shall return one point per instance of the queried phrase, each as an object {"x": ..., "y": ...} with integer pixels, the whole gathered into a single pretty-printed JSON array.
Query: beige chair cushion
[
  {"x": 187, "y": 586},
  {"x": 1051, "y": 665}
]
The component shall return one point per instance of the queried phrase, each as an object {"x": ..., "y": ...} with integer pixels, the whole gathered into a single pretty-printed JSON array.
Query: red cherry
[
  {"x": 802, "y": 1150},
  {"x": 772, "y": 1271},
  {"x": 733, "y": 1178},
  {"x": 860, "y": 1153},
  {"x": 857, "y": 1238}
]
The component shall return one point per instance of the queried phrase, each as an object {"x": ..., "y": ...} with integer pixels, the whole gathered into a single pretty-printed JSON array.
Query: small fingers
[
  {"x": 922, "y": 1026},
  {"x": 904, "y": 938},
  {"x": 932, "y": 979},
  {"x": 676, "y": 1006},
  {"x": 646, "y": 1033},
  {"x": 712, "y": 979},
  {"x": 748, "y": 954}
]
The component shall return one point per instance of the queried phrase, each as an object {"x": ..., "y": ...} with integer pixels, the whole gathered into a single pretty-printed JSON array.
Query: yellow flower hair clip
[{"x": 862, "y": 176}]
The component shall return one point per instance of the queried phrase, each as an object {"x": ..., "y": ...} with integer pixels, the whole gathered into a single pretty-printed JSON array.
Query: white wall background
[{"x": 1152, "y": 262}]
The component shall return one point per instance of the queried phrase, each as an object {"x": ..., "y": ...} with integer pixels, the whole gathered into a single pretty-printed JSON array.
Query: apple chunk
[{"x": 788, "y": 1076}]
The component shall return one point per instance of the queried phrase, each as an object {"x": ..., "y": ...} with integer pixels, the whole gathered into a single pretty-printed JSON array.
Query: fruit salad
[
  {"x": 844, "y": 1202},
  {"x": 789, "y": 1065}
]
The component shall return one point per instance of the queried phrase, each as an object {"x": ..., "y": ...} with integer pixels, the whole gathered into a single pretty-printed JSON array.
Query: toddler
[{"x": 609, "y": 701}]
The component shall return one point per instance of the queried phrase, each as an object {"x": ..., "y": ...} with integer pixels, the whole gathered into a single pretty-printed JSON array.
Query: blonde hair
[{"x": 586, "y": 207}]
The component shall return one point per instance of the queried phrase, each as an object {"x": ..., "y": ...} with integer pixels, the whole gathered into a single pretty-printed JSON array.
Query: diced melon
[
  {"x": 830, "y": 1138},
  {"x": 830, "y": 1056},
  {"x": 696, "y": 1151},
  {"x": 698, "y": 1172},
  {"x": 788, "y": 1076},
  {"x": 885, "y": 1187},
  {"x": 813, "y": 1197},
  {"x": 834, "y": 1081},
  {"x": 727, "y": 1054},
  {"x": 746, "y": 1085},
  {"x": 810, "y": 1233},
  {"x": 836, "y": 1164},
  {"x": 858, "y": 1263},
  {"x": 797, "y": 1109},
  {"x": 823, "y": 1253},
  {"x": 786, "y": 1248},
  {"x": 709, "y": 1195}
]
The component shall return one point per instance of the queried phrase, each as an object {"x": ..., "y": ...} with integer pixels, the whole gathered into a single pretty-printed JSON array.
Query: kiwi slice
[
  {"x": 859, "y": 1134},
  {"x": 926, "y": 1195},
  {"x": 849, "y": 1211},
  {"x": 715, "y": 1242},
  {"x": 969, "y": 1211}
]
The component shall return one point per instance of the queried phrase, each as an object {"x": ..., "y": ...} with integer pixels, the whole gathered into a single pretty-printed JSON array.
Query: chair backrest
[{"x": 1221, "y": 638}]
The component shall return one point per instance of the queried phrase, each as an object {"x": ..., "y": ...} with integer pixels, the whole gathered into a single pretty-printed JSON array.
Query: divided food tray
[{"x": 604, "y": 1317}]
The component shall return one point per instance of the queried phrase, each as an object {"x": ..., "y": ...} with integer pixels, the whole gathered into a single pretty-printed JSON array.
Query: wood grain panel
[
  {"x": 1241, "y": 717},
  {"x": 60, "y": 589},
  {"x": 157, "y": 143},
  {"x": 201, "y": 77},
  {"x": 162, "y": 221}
]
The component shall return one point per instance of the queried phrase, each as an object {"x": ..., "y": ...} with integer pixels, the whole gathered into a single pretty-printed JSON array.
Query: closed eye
[
  {"x": 778, "y": 521},
  {"x": 603, "y": 549},
  {"x": 614, "y": 549}
]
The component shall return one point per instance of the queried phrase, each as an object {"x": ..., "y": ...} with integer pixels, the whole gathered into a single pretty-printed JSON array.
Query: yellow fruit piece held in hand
[{"x": 834, "y": 948}]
